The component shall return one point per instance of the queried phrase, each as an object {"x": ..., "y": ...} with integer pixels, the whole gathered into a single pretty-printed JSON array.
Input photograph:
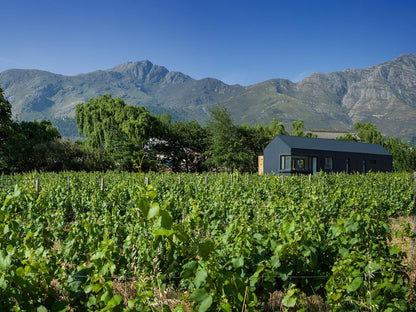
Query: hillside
[{"x": 383, "y": 94}]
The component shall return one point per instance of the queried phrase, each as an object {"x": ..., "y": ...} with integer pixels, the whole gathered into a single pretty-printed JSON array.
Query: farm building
[{"x": 303, "y": 155}]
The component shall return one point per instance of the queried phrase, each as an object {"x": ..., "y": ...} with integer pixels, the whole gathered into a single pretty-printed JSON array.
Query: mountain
[{"x": 383, "y": 94}]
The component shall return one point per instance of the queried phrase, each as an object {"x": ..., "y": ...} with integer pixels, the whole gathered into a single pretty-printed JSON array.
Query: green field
[{"x": 153, "y": 242}]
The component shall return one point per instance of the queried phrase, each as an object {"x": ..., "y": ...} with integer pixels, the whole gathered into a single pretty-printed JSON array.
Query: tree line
[{"x": 120, "y": 136}]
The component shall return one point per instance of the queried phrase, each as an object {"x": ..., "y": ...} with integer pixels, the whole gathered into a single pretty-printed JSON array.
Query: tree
[
  {"x": 404, "y": 155},
  {"x": 122, "y": 130},
  {"x": 368, "y": 133},
  {"x": 186, "y": 144},
  {"x": 5, "y": 128},
  {"x": 62, "y": 155},
  {"x": 276, "y": 127},
  {"x": 23, "y": 141},
  {"x": 226, "y": 145},
  {"x": 298, "y": 129},
  {"x": 255, "y": 139},
  {"x": 347, "y": 137},
  {"x": 98, "y": 121}
]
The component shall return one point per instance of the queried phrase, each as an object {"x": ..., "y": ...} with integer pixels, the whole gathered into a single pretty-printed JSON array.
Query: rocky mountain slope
[{"x": 383, "y": 94}]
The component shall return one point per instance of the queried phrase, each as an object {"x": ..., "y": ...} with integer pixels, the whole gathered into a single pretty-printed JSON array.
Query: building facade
[{"x": 302, "y": 155}]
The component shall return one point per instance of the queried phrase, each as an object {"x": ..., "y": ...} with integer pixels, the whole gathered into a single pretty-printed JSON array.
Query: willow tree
[{"x": 119, "y": 128}]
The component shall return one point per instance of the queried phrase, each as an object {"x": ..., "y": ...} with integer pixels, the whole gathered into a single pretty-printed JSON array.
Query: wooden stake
[
  {"x": 37, "y": 186},
  {"x": 243, "y": 308},
  {"x": 102, "y": 184}
]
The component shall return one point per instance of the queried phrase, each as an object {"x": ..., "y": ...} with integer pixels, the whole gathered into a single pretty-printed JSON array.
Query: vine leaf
[
  {"x": 200, "y": 278},
  {"x": 355, "y": 284},
  {"x": 203, "y": 298},
  {"x": 154, "y": 211},
  {"x": 205, "y": 248}
]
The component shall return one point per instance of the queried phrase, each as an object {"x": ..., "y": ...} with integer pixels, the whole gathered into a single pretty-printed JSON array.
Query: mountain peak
[
  {"x": 143, "y": 71},
  {"x": 407, "y": 59}
]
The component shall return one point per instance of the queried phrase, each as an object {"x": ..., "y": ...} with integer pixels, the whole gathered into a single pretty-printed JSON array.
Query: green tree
[
  {"x": 404, "y": 155},
  {"x": 255, "y": 139},
  {"x": 347, "y": 137},
  {"x": 276, "y": 127},
  {"x": 64, "y": 155},
  {"x": 368, "y": 133},
  {"x": 22, "y": 144},
  {"x": 186, "y": 146},
  {"x": 238, "y": 147},
  {"x": 97, "y": 120},
  {"x": 298, "y": 129},
  {"x": 122, "y": 130},
  {"x": 5, "y": 129},
  {"x": 226, "y": 146}
]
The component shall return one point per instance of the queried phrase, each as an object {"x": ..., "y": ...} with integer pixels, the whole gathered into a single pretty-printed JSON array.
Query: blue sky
[{"x": 242, "y": 42}]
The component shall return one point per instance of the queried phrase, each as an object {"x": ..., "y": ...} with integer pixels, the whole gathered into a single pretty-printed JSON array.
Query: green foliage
[
  {"x": 276, "y": 127},
  {"x": 185, "y": 148},
  {"x": 5, "y": 128},
  {"x": 237, "y": 147},
  {"x": 121, "y": 130},
  {"x": 367, "y": 132},
  {"x": 221, "y": 246},
  {"x": 226, "y": 148},
  {"x": 347, "y": 137},
  {"x": 24, "y": 141},
  {"x": 404, "y": 156},
  {"x": 298, "y": 129}
]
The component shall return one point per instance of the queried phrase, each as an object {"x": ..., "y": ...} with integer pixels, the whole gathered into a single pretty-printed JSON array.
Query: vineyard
[{"x": 206, "y": 242}]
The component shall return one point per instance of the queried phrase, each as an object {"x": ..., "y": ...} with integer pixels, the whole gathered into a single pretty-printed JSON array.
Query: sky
[{"x": 239, "y": 42}]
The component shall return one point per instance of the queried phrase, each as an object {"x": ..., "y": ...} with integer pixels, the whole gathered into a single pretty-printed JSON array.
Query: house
[{"x": 303, "y": 155}]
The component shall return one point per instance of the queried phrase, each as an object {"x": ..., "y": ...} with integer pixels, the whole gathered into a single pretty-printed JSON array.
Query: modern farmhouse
[{"x": 303, "y": 155}]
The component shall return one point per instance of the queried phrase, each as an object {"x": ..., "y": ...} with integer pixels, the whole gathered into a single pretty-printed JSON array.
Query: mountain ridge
[{"x": 384, "y": 94}]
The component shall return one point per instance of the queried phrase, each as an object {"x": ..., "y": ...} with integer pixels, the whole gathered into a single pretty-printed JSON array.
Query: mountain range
[{"x": 383, "y": 94}]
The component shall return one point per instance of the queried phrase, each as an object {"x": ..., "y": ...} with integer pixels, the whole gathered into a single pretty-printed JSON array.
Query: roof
[{"x": 332, "y": 145}]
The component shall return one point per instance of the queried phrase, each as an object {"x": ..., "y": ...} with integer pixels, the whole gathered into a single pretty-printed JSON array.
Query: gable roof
[{"x": 331, "y": 145}]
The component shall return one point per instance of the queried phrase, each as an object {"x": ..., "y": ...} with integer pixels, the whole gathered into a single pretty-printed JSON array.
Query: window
[
  {"x": 285, "y": 162},
  {"x": 372, "y": 162},
  {"x": 298, "y": 163},
  {"x": 328, "y": 163}
]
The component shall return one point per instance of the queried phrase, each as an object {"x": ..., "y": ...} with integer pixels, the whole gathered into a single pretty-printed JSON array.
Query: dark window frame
[{"x": 295, "y": 163}]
